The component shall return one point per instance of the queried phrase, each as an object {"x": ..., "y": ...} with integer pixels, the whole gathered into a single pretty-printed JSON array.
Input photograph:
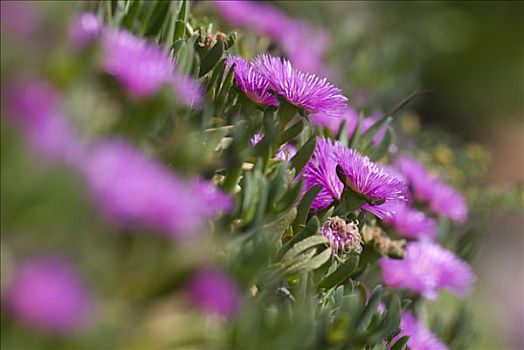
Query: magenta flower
[
  {"x": 20, "y": 18},
  {"x": 427, "y": 268},
  {"x": 215, "y": 292},
  {"x": 250, "y": 82},
  {"x": 321, "y": 170},
  {"x": 315, "y": 95},
  {"x": 374, "y": 182},
  {"x": 47, "y": 293},
  {"x": 420, "y": 338},
  {"x": 35, "y": 107},
  {"x": 143, "y": 68},
  {"x": 441, "y": 198},
  {"x": 85, "y": 28},
  {"x": 411, "y": 223},
  {"x": 136, "y": 192},
  {"x": 294, "y": 36}
]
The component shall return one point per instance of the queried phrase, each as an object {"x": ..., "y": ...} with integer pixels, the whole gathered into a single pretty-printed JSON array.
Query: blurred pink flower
[
  {"x": 304, "y": 45},
  {"x": 420, "y": 338},
  {"x": 135, "y": 191},
  {"x": 427, "y": 268},
  {"x": 48, "y": 294},
  {"x": 215, "y": 292},
  {"x": 84, "y": 28},
  {"x": 442, "y": 199},
  {"x": 35, "y": 107},
  {"x": 412, "y": 223},
  {"x": 19, "y": 18}
]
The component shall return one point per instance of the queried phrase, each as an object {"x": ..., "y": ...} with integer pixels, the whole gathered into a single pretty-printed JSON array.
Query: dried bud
[{"x": 342, "y": 236}]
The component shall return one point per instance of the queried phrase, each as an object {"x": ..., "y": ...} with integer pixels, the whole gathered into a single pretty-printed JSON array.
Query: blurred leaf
[
  {"x": 132, "y": 12},
  {"x": 180, "y": 26},
  {"x": 400, "y": 344},
  {"x": 311, "y": 229},
  {"x": 304, "y": 206},
  {"x": 157, "y": 18},
  {"x": 212, "y": 58},
  {"x": 303, "y": 155},
  {"x": 340, "y": 274},
  {"x": 382, "y": 149},
  {"x": 303, "y": 245}
]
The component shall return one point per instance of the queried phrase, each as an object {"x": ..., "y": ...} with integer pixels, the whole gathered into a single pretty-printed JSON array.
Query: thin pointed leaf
[
  {"x": 303, "y": 155},
  {"x": 338, "y": 276},
  {"x": 400, "y": 344},
  {"x": 212, "y": 58},
  {"x": 305, "y": 205}
]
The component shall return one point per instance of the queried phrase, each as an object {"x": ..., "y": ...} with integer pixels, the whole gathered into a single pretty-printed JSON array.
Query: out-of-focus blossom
[
  {"x": 188, "y": 91},
  {"x": 351, "y": 119},
  {"x": 342, "y": 236},
  {"x": 420, "y": 338},
  {"x": 315, "y": 95},
  {"x": 20, "y": 18},
  {"x": 35, "y": 107},
  {"x": 304, "y": 45},
  {"x": 371, "y": 180},
  {"x": 85, "y": 28},
  {"x": 442, "y": 199},
  {"x": 284, "y": 153},
  {"x": 143, "y": 68},
  {"x": 249, "y": 81},
  {"x": 321, "y": 170},
  {"x": 215, "y": 292},
  {"x": 135, "y": 191},
  {"x": 412, "y": 223},
  {"x": 427, "y": 268},
  {"x": 47, "y": 293}
]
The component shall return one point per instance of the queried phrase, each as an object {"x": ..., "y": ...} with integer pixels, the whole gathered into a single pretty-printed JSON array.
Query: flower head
[
  {"x": 427, "y": 268},
  {"x": 48, "y": 294},
  {"x": 135, "y": 191},
  {"x": 250, "y": 82},
  {"x": 412, "y": 223},
  {"x": 140, "y": 66},
  {"x": 85, "y": 28},
  {"x": 315, "y": 95},
  {"x": 442, "y": 199},
  {"x": 376, "y": 183},
  {"x": 35, "y": 107},
  {"x": 213, "y": 291},
  {"x": 342, "y": 236},
  {"x": 322, "y": 170}
]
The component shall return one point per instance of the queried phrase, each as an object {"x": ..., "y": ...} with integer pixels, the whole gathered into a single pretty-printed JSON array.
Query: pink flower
[
  {"x": 48, "y": 294},
  {"x": 411, "y": 223},
  {"x": 85, "y": 28},
  {"x": 420, "y": 338},
  {"x": 427, "y": 268}
]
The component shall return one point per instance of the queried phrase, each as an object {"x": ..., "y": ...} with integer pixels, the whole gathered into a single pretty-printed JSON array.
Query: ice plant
[
  {"x": 48, "y": 294},
  {"x": 441, "y": 198},
  {"x": 135, "y": 191},
  {"x": 213, "y": 291},
  {"x": 427, "y": 268},
  {"x": 420, "y": 338},
  {"x": 321, "y": 170},
  {"x": 85, "y": 28},
  {"x": 250, "y": 82},
  {"x": 293, "y": 36},
  {"x": 370, "y": 180},
  {"x": 315, "y": 95},
  {"x": 35, "y": 107},
  {"x": 343, "y": 237},
  {"x": 143, "y": 68},
  {"x": 412, "y": 223}
]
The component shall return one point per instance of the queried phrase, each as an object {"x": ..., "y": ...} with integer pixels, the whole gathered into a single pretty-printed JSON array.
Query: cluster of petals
[
  {"x": 35, "y": 107},
  {"x": 134, "y": 191},
  {"x": 47, "y": 293},
  {"x": 441, "y": 198},
  {"x": 426, "y": 269},
  {"x": 412, "y": 223},
  {"x": 363, "y": 176},
  {"x": 420, "y": 337},
  {"x": 294, "y": 36},
  {"x": 315, "y": 95}
]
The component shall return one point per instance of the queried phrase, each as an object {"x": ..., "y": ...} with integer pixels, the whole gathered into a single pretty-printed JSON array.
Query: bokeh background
[{"x": 466, "y": 59}]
